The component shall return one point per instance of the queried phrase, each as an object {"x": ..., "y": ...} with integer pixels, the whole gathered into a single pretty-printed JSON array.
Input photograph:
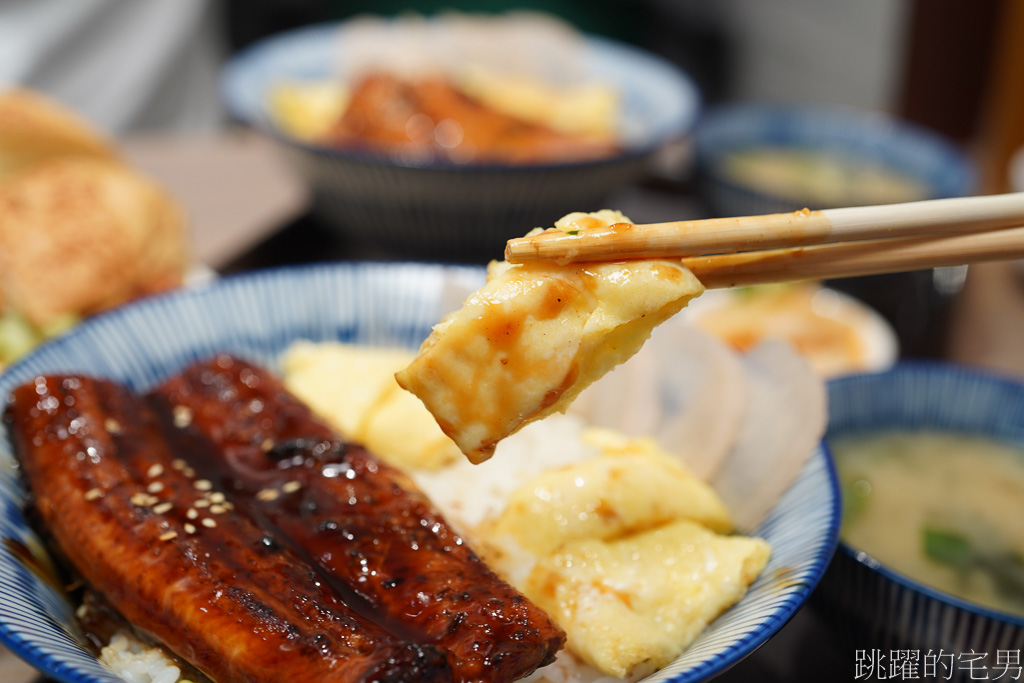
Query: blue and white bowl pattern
[
  {"x": 259, "y": 315},
  {"x": 872, "y": 607},
  {"x": 446, "y": 210},
  {"x": 905, "y": 148}
]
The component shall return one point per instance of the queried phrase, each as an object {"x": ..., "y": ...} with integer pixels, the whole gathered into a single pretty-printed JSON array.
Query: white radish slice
[
  {"x": 684, "y": 387},
  {"x": 785, "y": 420}
]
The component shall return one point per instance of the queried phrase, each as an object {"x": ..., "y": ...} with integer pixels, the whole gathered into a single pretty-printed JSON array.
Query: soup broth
[
  {"x": 820, "y": 179},
  {"x": 945, "y": 509}
]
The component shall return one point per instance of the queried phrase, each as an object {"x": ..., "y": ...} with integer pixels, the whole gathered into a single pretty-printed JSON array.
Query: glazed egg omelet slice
[
  {"x": 631, "y": 605},
  {"x": 526, "y": 343}
]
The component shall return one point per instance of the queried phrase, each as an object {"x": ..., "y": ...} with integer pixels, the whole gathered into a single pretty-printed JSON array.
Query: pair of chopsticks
[{"x": 804, "y": 245}]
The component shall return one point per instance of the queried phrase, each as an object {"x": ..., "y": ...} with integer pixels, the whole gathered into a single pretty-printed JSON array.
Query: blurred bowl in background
[
  {"x": 1015, "y": 176},
  {"x": 837, "y": 334},
  {"x": 758, "y": 159},
  {"x": 872, "y": 606},
  {"x": 446, "y": 210},
  {"x": 754, "y": 159}
]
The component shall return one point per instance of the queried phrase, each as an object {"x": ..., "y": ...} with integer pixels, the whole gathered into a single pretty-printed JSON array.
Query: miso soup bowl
[
  {"x": 874, "y": 609},
  {"x": 894, "y": 145}
]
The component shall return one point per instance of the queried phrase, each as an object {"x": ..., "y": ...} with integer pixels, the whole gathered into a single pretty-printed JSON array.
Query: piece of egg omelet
[
  {"x": 526, "y": 343},
  {"x": 629, "y": 552}
]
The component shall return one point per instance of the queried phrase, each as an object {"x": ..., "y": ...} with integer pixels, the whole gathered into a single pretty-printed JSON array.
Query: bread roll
[
  {"x": 34, "y": 128},
  {"x": 80, "y": 234}
]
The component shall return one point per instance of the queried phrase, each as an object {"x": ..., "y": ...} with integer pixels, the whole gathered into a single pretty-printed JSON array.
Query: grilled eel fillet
[
  {"x": 164, "y": 549},
  {"x": 365, "y": 523}
]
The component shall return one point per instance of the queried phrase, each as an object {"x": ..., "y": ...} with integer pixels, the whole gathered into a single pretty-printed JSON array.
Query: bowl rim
[
  {"x": 709, "y": 148},
  {"x": 918, "y": 367},
  {"x": 680, "y": 130},
  {"x": 767, "y": 626}
]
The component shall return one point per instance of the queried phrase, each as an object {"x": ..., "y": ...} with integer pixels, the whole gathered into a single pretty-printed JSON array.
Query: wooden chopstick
[
  {"x": 850, "y": 259},
  {"x": 773, "y": 231}
]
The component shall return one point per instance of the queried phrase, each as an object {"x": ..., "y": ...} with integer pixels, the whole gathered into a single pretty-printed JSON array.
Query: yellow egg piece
[
  {"x": 633, "y": 488},
  {"x": 632, "y": 605},
  {"x": 307, "y": 110}
]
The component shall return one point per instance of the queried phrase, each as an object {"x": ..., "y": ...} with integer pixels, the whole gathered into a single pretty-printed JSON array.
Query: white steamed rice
[{"x": 136, "y": 662}]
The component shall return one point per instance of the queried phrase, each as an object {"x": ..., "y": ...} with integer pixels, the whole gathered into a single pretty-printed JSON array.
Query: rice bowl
[{"x": 258, "y": 315}]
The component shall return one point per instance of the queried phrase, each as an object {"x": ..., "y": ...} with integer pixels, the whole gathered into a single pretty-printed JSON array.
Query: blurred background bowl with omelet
[{"x": 443, "y": 137}]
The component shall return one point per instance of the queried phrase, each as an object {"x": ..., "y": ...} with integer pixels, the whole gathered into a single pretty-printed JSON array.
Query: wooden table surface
[{"x": 235, "y": 188}]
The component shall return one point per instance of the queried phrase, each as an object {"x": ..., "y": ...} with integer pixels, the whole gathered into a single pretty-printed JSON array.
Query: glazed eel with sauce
[
  {"x": 212, "y": 586},
  {"x": 220, "y": 518},
  {"x": 363, "y": 522}
]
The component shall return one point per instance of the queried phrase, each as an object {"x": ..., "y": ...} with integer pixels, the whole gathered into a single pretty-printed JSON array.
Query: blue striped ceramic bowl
[
  {"x": 449, "y": 211},
  {"x": 870, "y": 137},
  {"x": 873, "y": 607},
  {"x": 259, "y": 315}
]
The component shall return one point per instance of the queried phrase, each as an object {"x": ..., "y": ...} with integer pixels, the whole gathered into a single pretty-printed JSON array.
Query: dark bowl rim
[
  {"x": 865, "y": 559},
  {"x": 369, "y": 157},
  {"x": 707, "y": 152}
]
